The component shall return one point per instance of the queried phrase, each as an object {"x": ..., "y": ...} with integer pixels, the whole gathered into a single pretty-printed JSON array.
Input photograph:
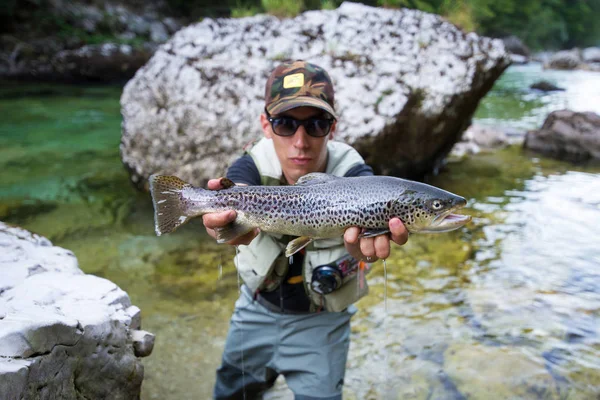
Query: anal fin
[
  {"x": 296, "y": 245},
  {"x": 231, "y": 231},
  {"x": 373, "y": 232}
]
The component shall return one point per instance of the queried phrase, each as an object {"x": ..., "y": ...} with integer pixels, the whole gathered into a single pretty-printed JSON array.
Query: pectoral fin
[
  {"x": 296, "y": 245},
  {"x": 231, "y": 231},
  {"x": 373, "y": 233},
  {"x": 226, "y": 183}
]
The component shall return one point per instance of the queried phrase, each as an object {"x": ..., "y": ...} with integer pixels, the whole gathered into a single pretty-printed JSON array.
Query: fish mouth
[{"x": 447, "y": 221}]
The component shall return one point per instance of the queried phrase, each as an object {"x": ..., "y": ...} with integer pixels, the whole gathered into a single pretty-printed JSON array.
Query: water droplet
[
  {"x": 220, "y": 266},
  {"x": 385, "y": 286}
]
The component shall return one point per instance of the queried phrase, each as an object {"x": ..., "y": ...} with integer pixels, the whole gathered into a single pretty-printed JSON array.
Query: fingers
[
  {"x": 218, "y": 220},
  {"x": 351, "y": 235},
  {"x": 373, "y": 248},
  {"x": 382, "y": 246},
  {"x": 398, "y": 231},
  {"x": 367, "y": 247},
  {"x": 214, "y": 184}
]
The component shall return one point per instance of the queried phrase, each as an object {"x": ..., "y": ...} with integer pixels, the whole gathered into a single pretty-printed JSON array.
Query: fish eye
[{"x": 436, "y": 205}]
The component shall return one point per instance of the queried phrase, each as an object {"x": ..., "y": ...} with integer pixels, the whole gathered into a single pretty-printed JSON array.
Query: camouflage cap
[{"x": 296, "y": 84}]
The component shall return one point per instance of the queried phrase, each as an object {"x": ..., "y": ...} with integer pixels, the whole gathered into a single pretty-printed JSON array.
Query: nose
[
  {"x": 460, "y": 201},
  {"x": 301, "y": 138}
]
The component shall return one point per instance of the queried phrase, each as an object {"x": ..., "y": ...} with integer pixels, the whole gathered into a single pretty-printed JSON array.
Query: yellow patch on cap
[{"x": 294, "y": 80}]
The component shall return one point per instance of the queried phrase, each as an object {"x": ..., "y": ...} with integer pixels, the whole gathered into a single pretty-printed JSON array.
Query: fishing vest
[{"x": 264, "y": 256}]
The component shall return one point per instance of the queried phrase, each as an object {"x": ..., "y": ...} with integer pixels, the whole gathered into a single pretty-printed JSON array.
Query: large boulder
[
  {"x": 407, "y": 84},
  {"x": 63, "y": 334},
  {"x": 567, "y": 135}
]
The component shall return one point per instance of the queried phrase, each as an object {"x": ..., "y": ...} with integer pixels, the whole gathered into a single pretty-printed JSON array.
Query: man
[{"x": 280, "y": 324}]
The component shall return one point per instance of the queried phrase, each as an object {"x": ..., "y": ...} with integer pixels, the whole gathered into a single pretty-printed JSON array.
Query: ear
[
  {"x": 266, "y": 126},
  {"x": 332, "y": 130}
]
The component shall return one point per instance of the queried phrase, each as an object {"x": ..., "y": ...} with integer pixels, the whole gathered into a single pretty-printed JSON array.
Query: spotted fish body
[{"x": 319, "y": 206}]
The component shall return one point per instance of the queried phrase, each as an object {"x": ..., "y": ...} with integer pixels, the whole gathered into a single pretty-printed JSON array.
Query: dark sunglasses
[{"x": 287, "y": 126}]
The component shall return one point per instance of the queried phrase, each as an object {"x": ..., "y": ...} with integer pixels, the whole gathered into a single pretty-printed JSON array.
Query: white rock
[
  {"x": 194, "y": 106},
  {"x": 63, "y": 334}
]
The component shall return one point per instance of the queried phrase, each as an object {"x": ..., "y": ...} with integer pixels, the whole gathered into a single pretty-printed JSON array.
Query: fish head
[{"x": 431, "y": 210}]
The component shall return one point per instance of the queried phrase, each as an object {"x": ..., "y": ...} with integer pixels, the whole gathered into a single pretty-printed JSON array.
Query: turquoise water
[{"x": 519, "y": 286}]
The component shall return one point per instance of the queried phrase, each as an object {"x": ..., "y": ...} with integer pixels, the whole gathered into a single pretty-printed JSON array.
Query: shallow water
[
  {"x": 512, "y": 104},
  {"x": 509, "y": 305}
]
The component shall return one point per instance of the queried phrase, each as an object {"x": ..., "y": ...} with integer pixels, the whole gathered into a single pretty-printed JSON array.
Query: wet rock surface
[
  {"x": 567, "y": 135},
  {"x": 407, "y": 83},
  {"x": 519, "y": 52},
  {"x": 546, "y": 86},
  {"x": 588, "y": 59},
  {"x": 103, "y": 43},
  {"x": 63, "y": 334}
]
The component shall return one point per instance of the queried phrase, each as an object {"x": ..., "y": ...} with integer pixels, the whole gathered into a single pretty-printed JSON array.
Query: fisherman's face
[{"x": 300, "y": 153}]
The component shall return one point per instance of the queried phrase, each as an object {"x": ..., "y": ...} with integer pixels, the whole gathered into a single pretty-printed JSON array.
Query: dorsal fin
[{"x": 316, "y": 178}]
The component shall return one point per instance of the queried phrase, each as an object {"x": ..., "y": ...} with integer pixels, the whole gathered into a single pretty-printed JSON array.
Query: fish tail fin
[{"x": 170, "y": 210}]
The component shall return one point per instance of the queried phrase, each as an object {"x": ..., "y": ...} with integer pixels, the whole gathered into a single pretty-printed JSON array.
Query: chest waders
[{"x": 262, "y": 262}]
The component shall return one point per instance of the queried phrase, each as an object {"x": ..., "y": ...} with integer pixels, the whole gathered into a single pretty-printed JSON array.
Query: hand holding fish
[
  {"x": 218, "y": 220},
  {"x": 371, "y": 249}
]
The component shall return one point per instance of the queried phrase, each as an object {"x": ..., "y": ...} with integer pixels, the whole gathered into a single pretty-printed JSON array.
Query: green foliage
[
  {"x": 244, "y": 9},
  {"x": 329, "y": 5},
  {"x": 541, "y": 24},
  {"x": 544, "y": 24},
  {"x": 460, "y": 13},
  {"x": 423, "y": 5},
  {"x": 283, "y": 8}
]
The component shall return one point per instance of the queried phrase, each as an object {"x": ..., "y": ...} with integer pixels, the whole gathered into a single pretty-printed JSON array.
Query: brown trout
[{"x": 318, "y": 206}]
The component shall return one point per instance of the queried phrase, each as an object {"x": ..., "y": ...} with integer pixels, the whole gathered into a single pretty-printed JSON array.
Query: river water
[{"x": 507, "y": 307}]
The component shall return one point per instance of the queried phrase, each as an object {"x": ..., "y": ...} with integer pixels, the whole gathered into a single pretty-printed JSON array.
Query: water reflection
[{"x": 518, "y": 318}]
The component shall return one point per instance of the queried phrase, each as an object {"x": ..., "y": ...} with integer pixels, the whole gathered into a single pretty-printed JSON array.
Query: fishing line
[
  {"x": 237, "y": 252},
  {"x": 220, "y": 266},
  {"x": 385, "y": 328}
]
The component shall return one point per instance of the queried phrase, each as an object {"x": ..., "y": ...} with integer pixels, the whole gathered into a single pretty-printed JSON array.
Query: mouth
[
  {"x": 447, "y": 222},
  {"x": 300, "y": 160}
]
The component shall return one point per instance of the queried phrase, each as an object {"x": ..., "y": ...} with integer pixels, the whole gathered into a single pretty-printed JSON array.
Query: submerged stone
[{"x": 482, "y": 372}]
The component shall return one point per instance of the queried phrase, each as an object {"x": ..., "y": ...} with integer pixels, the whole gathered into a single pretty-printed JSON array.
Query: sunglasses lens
[
  {"x": 318, "y": 127},
  {"x": 284, "y": 126}
]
